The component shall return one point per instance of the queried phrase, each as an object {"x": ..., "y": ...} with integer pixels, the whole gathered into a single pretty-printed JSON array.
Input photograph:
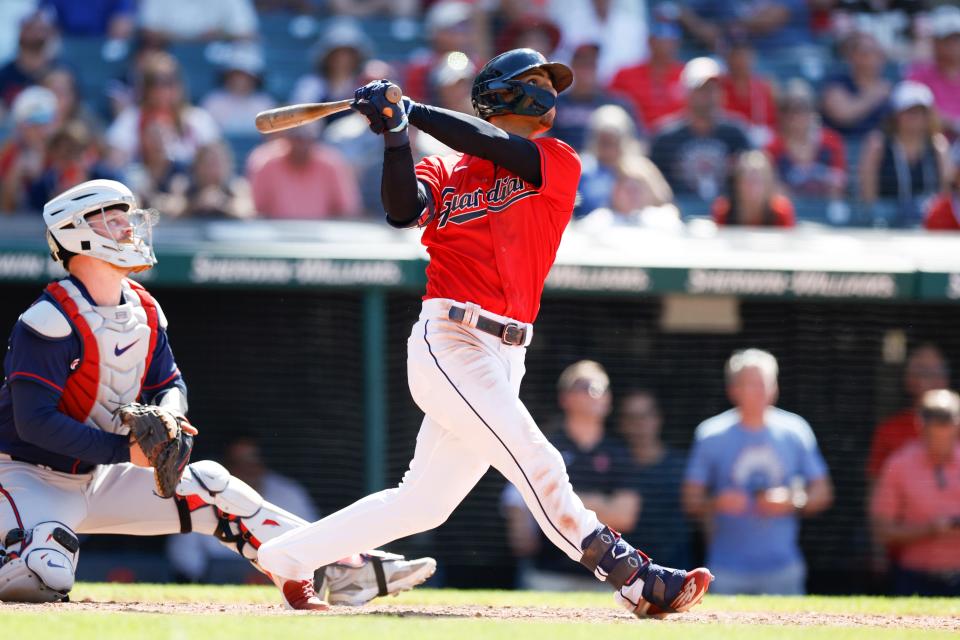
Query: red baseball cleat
[
  {"x": 666, "y": 591},
  {"x": 300, "y": 595}
]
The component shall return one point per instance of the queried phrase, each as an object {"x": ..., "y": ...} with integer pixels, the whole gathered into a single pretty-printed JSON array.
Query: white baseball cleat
[{"x": 357, "y": 581}]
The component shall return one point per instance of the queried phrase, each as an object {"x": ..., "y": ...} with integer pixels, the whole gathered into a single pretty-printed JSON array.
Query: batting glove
[{"x": 371, "y": 101}]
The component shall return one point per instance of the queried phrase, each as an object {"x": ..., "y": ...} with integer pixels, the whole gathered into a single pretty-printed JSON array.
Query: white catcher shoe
[{"x": 355, "y": 582}]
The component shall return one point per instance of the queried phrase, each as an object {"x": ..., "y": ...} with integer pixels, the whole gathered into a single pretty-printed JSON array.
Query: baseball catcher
[{"x": 94, "y": 436}]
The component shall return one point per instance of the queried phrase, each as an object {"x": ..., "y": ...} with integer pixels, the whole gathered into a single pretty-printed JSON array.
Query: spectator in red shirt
[
  {"x": 942, "y": 215},
  {"x": 810, "y": 158},
  {"x": 747, "y": 94},
  {"x": 295, "y": 177},
  {"x": 916, "y": 505},
  {"x": 926, "y": 370},
  {"x": 654, "y": 86},
  {"x": 755, "y": 199}
]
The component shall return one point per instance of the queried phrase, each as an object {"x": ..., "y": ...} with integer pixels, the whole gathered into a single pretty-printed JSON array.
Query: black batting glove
[{"x": 371, "y": 101}]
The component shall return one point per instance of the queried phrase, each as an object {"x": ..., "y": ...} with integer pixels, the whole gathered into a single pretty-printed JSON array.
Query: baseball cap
[
  {"x": 940, "y": 405},
  {"x": 909, "y": 94},
  {"x": 447, "y": 14},
  {"x": 34, "y": 105},
  {"x": 946, "y": 21},
  {"x": 698, "y": 71},
  {"x": 585, "y": 375},
  {"x": 343, "y": 33},
  {"x": 245, "y": 58}
]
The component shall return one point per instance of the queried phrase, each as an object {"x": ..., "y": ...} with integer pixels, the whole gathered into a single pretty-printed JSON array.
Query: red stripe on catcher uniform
[
  {"x": 151, "y": 387},
  {"x": 195, "y": 502},
  {"x": 13, "y": 506},
  {"x": 150, "y": 306},
  {"x": 25, "y": 374},
  {"x": 252, "y": 539},
  {"x": 80, "y": 392}
]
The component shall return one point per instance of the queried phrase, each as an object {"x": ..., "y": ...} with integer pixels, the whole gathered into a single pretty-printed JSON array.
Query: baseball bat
[{"x": 295, "y": 115}]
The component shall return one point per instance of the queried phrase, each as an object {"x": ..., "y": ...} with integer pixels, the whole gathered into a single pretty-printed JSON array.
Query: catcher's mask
[
  {"x": 496, "y": 90},
  {"x": 101, "y": 219}
]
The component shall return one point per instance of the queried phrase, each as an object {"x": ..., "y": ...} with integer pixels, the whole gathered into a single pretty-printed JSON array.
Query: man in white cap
[
  {"x": 21, "y": 159},
  {"x": 696, "y": 151},
  {"x": 942, "y": 75}
]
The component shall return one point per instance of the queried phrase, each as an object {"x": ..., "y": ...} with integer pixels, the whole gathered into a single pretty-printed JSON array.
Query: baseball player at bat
[
  {"x": 77, "y": 445},
  {"x": 492, "y": 217}
]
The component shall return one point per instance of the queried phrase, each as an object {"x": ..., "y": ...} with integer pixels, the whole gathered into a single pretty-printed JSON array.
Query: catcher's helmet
[
  {"x": 70, "y": 233},
  {"x": 496, "y": 91}
]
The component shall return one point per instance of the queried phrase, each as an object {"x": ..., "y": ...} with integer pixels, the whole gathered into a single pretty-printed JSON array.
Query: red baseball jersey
[{"x": 494, "y": 237}]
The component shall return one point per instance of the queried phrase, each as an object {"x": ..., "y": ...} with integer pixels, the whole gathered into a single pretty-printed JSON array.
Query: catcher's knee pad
[
  {"x": 611, "y": 558},
  {"x": 39, "y": 565},
  {"x": 213, "y": 484},
  {"x": 244, "y": 520}
]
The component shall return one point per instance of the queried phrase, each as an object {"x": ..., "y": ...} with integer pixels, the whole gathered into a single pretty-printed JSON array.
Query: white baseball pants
[
  {"x": 467, "y": 383},
  {"x": 115, "y": 498}
]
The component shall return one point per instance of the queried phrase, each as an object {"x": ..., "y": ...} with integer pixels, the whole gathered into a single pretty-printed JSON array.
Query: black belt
[{"x": 510, "y": 333}]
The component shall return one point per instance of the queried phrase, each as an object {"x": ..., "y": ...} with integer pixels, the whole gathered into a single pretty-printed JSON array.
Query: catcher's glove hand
[{"x": 161, "y": 436}]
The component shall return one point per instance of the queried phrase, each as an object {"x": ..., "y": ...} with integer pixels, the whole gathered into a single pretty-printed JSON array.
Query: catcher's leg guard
[
  {"x": 244, "y": 519},
  {"x": 38, "y": 565},
  {"x": 244, "y": 522}
]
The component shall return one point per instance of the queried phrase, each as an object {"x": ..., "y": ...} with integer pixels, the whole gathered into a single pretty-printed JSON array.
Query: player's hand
[
  {"x": 732, "y": 502},
  {"x": 776, "y": 501},
  {"x": 371, "y": 101},
  {"x": 138, "y": 457}
]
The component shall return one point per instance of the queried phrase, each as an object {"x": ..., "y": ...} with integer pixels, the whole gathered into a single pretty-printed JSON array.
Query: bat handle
[{"x": 393, "y": 94}]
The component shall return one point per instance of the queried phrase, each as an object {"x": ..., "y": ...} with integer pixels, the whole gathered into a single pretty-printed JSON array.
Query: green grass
[{"x": 47, "y": 622}]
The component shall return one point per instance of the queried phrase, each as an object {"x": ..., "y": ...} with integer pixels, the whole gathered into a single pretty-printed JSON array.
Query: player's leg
[
  {"x": 442, "y": 472},
  {"x": 122, "y": 501},
  {"x": 473, "y": 391},
  {"x": 38, "y": 547},
  {"x": 211, "y": 501}
]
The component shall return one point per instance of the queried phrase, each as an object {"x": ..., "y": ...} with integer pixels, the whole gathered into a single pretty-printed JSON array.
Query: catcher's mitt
[{"x": 162, "y": 440}]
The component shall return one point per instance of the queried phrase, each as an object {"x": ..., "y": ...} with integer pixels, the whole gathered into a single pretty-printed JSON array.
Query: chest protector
[{"x": 117, "y": 345}]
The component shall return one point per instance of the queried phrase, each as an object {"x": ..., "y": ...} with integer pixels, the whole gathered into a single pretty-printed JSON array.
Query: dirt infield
[{"x": 534, "y": 614}]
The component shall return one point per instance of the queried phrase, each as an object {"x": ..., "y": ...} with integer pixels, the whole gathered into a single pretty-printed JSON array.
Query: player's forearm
[
  {"x": 173, "y": 398},
  {"x": 477, "y": 137},
  {"x": 402, "y": 195},
  {"x": 40, "y": 423}
]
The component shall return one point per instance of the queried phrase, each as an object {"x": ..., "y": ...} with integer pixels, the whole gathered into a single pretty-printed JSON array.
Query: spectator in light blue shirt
[{"x": 752, "y": 472}]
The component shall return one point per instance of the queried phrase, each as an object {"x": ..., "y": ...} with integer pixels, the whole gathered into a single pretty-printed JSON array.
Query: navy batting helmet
[{"x": 496, "y": 91}]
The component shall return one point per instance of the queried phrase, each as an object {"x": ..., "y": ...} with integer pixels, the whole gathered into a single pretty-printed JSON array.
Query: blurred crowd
[
  {"x": 749, "y": 112},
  {"x": 752, "y": 473}
]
